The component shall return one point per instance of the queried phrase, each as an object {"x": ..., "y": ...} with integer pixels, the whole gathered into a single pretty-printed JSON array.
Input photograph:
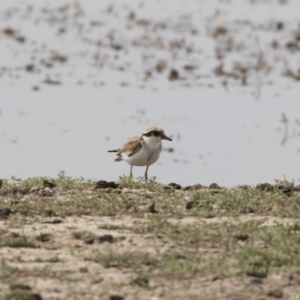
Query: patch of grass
[
  {"x": 141, "y": 280},
  {"x": 18, "y": 242},
  {"x": 62, "y": 180},
  {"x": 69, "y": 275},
  {"x": 230, "y": 249},
  {"x": 69, "y": 183},
  {"x": 221, "y": 265},
  {"x": 237, "y": 202},
  {"x": 108, "y": 206},
  {"x": 33, "y": 181},
  {"x": 47, "y": 272},
  {"x": 6, "y": 271},
  {"x": 112, "y": 227},
  {"x": 113, "y": 259},
  {"x": 54, "y": 259},
  {"x": 180, "y": 266},
  {"x": 20, "y": 295},
  {"x": 138, "y": 183},
  {"x": 80, "y": 235},
  {"x": 77, "y": 204},
  {"x": 97, "y": 279}
]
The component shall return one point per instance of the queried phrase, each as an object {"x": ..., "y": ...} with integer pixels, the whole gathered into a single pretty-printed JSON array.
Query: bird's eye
[{"x": 155, "y": 133}]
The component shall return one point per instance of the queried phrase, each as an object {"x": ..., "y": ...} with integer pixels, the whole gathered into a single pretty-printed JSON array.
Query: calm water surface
[{"x": 230, "y": 134}]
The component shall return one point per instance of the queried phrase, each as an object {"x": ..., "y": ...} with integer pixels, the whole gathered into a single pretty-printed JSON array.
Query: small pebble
[
  {"x": 101, "y": 184},
  {"x": 106, "y": 238},
  {"x": 5, "y": 212},
  {"x": 44, "y": 237}
]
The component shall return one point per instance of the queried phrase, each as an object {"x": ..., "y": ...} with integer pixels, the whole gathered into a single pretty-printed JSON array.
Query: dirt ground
[{"x": 75, "y": 241}]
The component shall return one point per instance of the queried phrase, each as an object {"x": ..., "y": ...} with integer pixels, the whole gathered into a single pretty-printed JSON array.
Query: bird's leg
[
  {"x": 146, "y": 173},
  {"x": 130, "y": 174}
]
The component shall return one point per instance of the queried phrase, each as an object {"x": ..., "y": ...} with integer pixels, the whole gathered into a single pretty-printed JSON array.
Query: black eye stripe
[{"x": 152, "y": 132}]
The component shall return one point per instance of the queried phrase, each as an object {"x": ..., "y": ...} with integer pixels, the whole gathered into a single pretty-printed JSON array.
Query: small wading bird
[{"x": 142, "y": 150}]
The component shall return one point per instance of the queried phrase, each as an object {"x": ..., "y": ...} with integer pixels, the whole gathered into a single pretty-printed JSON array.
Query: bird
[{"x": 142, "y": 150}]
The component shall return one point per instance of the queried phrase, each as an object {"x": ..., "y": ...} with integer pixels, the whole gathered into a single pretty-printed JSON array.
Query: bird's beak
[{"x": 164, "y": 137}]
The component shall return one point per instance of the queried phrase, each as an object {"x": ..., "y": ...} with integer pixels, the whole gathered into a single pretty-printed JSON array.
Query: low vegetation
[{"x": 145, "y": 232}]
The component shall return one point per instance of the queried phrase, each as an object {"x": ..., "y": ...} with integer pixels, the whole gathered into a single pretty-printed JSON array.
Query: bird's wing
[{"x": 132, "y": 147}]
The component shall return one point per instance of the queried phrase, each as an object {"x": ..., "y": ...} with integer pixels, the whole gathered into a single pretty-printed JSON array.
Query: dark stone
[
  {"x": 116, "y": 47},
  {"x": 209, "y": 216},
  {"x": 44, "y": 237},
  {"x": 34, "y": 296},
  {"x": 275, "y": 292},
  {"x": 35, "y": 88},
  {"x": 257, "y": 281},
  {"x": 265, "y": 187},
  {"x": 151, "y": 208},
  {"x": 5, "y": 212},
  {"x": 166, "y": 187},
  {"x": 246, "y": 210},
  {"x": 30, "y": 68},
  {"x": 161, "y": 66},
  {"x": 9, "y": 31},
  {"x": 197, "y": 186},
  {"x": 54, "y": 221},
  {"x": 106, "y": 238},
  {"x": 38, "y": 260},
  {"x": 116, "y": 297},
  {"x": 89, "y": 240},
  {"x": 19, "y": 286},
  {"x": 297, "y": 188},
  {"x": 20, "y": 39},
  {"x": 190, "y": 204},
  {"x": 49, "y": 213},
  {"x": 141, "y": 280},
  {"x": 59, "y": 58},
  {"x": 57, "y": 221},
  {"x": 216, "y": 277},
  {"x": 287, "y": 192},
  {"x": 52, "y": 82},
  {"x": 279, "y": 25},
  {"x": 20, "y": 190},
  {"x": 174, "y": 75},
  {"x": 214, "y": 186},
  {"x": 1, "y": 183},
  {"x": 83, "y": 270},
  {"x": 175, "y": 185},
  {"x": 14, "y": 234},
  {"x": 48, "y": 184},
  {"x": 187, "y": 188},
  {"x": 102, "y": 184},
  {"x": 256, "y": 274},
  {"x": 241, "y": 237}
]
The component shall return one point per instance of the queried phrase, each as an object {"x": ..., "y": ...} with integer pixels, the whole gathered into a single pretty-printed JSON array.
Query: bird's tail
[{"x": 118, "y": 156}]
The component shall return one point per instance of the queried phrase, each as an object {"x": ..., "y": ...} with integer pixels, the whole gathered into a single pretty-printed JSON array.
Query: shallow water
[{"x": 226, "y": 133}]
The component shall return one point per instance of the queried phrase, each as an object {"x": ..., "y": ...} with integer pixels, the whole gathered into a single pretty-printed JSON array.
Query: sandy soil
[{"x": 65, "y": 260}]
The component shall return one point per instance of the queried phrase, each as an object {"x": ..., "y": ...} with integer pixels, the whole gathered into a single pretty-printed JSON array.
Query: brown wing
[{"x": 133, "y": 146}]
